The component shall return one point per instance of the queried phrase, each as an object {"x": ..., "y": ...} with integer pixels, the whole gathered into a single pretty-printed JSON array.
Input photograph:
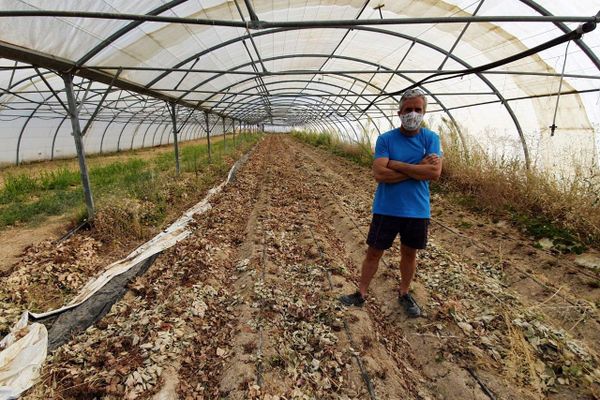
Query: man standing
[{"x": 406, "y": 159}]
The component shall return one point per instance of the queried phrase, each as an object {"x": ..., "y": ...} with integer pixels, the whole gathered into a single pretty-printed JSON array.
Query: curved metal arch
[
  {"x": 135, "y": 114},
  {"x": 119, "y": 112},
  {"x": 275, "y": 82},
  {"x": 190, "y": 132},
  {"x": 168, "y": 127},
  {"x": 158, "y": 126},
  {"x": 313, "y": 106},
  {"x": 314, "y": 89},
  {"x": 335, "y": 127},
  {"x": 563, "y": 27},
  {"x": 200, "y": 130},
  {"x": 137, "y": 128},
  {"x": 129, "y": 27},
  {"x": 300, "y": 81},
  {"x": 304, "y": 102},
  {"x": 49, "y": 72},
  {"x": 322, "y": 125},
  {"x": 252, "y": 108},
  {"x": 63, "y": 119},
  {"x": 187, "y": 133},
  {"x": 148, "y": 128},
  {"x": 39, "y": 104},
  {"x": 535, "y": 6},
  {"x": 357, "y": 60},
  {"x": 135, "y": 132},
  {"x": 123, "y": 130},
  {"x": 351, "y": 126},
  {"x": 29, "y": 118},
  {"x": 55, "y": 135},
  {"x": 385, "y": 32},
  {"x": 29, "y": 78}
]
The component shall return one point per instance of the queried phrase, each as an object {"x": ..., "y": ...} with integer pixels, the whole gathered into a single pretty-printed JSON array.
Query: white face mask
[{"x": 412, "y": 120}]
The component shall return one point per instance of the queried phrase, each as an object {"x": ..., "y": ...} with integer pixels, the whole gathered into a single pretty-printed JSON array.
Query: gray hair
[{"x": 411, "y": 94}]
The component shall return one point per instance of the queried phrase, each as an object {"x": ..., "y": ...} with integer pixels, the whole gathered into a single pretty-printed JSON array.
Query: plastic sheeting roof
[{"x": 316, "y": 64}]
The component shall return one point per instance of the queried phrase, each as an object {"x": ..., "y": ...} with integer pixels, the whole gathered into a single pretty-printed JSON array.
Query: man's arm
[
  {"x": 383, "y": 174},
  {"x": 430, "y": 168}
]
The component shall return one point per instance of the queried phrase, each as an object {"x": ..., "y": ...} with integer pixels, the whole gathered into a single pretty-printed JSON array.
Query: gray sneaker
[
  {"x": 354, "y": 299},
  {"x": 410, "y": 305}
]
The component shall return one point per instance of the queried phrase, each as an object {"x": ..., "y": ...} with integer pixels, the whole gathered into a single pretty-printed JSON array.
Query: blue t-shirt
[{"x": 409, "y": 198}]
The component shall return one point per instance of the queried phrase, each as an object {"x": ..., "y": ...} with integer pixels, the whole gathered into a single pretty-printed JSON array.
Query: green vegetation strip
[{"x": 27, "y": 199}]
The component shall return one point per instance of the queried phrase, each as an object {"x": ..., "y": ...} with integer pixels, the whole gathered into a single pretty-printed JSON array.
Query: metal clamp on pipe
[{"x": 588, "y": 26}]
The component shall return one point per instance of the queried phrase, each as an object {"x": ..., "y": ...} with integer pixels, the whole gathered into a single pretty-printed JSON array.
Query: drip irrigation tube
[{"x": 84, "y": 224}]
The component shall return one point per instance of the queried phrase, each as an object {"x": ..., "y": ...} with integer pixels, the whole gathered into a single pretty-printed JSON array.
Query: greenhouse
[{"x": 189, "y": 191}]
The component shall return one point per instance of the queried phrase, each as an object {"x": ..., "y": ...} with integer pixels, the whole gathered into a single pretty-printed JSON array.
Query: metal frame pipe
[
  {"x": 175, "y": 142},
  {"x": 74, "y": 115},
  {"x": 257, "y": 24},
  {"x": 208, "y": 135}
]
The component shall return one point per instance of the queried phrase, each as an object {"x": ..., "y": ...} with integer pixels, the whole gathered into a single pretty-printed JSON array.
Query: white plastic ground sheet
[{"x": 23, "y": 351}]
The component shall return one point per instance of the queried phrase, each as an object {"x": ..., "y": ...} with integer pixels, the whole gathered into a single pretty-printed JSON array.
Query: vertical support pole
[
  {"x": 233, "y": 129},
  {"x": 175, "y": 142},
  {"x": 224, "y": 135},
  {"x": 74, "y": 115},
  {"x": 207, "y": 134}
]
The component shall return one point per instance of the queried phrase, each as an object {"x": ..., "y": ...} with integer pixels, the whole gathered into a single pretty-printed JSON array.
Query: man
[{"x": 406, "y": 159}]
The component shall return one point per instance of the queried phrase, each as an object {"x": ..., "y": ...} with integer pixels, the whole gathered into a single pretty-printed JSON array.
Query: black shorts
[{"x": 384, "y": 228}]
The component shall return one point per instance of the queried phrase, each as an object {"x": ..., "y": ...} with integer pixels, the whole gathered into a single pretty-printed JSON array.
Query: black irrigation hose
[
  {"x": 482, "y": 385},
  {"x": 84, "y": 224},
  {"x": 445, "y": 75}
]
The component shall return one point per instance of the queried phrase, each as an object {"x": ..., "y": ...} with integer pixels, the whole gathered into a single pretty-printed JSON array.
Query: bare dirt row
[{"x": 247, "y": 306}]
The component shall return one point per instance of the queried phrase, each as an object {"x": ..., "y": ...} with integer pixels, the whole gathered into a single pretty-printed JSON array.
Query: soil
[
  {"x": 15, "y": 240},
  {"x": 247, "y": 306}
]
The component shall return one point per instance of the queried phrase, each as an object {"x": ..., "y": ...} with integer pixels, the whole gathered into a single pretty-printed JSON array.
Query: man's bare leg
[
  {"x": 369, "y": 268},
  {"x": 408, "y": 266}
]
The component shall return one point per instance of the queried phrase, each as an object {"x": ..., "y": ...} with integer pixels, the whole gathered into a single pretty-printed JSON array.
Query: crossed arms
[{"x": 392, "y": 171}]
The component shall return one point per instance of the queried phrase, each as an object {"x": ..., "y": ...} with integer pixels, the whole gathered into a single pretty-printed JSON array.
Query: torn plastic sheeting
[{"x": 21, "y": 358}]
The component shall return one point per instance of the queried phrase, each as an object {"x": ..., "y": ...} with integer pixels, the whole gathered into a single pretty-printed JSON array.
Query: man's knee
[
  {"x": 374, "y": 254},
  {"x": 408, "y": 252}
]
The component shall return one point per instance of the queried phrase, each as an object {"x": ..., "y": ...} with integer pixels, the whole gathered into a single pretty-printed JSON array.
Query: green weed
[
  {"x": 151, "y": 182},
  {"x": 17, "y": 187}
]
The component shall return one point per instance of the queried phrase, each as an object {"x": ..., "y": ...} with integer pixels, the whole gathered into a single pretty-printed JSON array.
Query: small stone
[
  {"x": 315, "y": 364},
  {"x": 588, "y": 261},
  {"x": 466, "y": 327},
  {"x": 545, "y": 243}
]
